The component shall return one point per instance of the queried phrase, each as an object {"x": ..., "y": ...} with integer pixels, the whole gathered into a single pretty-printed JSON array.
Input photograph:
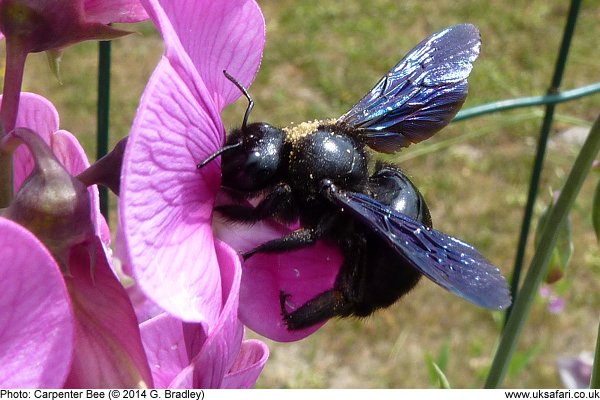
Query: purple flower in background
[
  {"x": 103, "y": 346},
  {"x": 576, "y": 372},
  {"x": 167, "y": 204},
  {"x": 555, "y": 303}
]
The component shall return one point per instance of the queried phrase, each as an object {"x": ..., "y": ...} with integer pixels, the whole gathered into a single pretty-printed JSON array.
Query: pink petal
[
  {"x": 69, "y": 152},
  {"x": 216, "y": 36},
  {"x": 181, "y": 355},
  {"x": 144, "y": 308},
  {"x": 71, "y": 155},
  {"x": 109, "y": 350},
  {"x": 248, "y": 366},
  {"x": 39, "y": 115},
  {"x": 302, "y": 273},
  {"x": 165, "y": 348},
  {"x": 220, "y": 350},
  {"x": 107, "y": 11},
  {"x": 36, "y": 320},
  {"x": 166, "y": 203}
]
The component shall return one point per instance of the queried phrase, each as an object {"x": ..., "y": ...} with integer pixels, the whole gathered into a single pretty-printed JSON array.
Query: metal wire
[{"x": 103, "y": 107}]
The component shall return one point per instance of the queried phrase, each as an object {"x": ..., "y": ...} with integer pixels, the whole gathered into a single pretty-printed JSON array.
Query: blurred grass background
[{"x": 320, "y": 58}]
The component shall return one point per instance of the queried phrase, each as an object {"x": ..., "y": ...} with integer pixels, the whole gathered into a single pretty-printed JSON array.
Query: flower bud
[
  {"x": 51, "y": 203},
  {"x": 36, "y": 25}
]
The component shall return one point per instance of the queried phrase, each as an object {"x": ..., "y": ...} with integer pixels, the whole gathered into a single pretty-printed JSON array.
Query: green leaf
[
  {"x": 563, "y": 249},
  {"x": 437, "y": 374},
  {"x": 430, "y": 369},
  {"x": 444, "y": 355},
  {"x": 54, "y": 58},
  {"x": 441, "y": 363},
  {"x": 444, "y": 384},
  {"x": 596, "y": 211},
  {"x": 595, "y": 379}
]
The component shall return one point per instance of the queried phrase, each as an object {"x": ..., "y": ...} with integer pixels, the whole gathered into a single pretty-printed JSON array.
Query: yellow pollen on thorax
[{"x": 297, "y": 132}]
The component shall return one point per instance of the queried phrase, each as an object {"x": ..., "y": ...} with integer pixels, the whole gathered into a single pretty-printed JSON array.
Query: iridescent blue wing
[
  {"x": 451, "y": 263},
  {"x": 421, "y": 94}
]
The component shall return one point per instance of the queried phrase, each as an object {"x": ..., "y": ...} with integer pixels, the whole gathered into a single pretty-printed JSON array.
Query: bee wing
[
  {"x": 421, "y": 94},
  {"x": 451, "y": 263}
]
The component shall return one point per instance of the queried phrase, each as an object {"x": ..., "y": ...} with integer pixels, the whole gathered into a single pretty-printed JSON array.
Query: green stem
[
  {"x": 6, "y": 179},
  {"x": 541, "y": 258},
  {"x": 13, "y": 78},
  {"x": 595, "y": 382}
]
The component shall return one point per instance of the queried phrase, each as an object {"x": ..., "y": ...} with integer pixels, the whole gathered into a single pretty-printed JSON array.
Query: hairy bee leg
[
  {"x": 351, "y": 279},
  {"x": 276, "y": 203},
  {"x": 337, "y": 302},
  {"x": 294, "y": 240},
  {"x": 326, "y": 305}
]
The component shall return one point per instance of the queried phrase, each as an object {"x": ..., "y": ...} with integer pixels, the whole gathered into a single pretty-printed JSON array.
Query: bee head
[{"x": 251, "y": 158}]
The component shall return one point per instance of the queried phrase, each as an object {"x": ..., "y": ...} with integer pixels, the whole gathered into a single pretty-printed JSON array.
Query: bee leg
[
  {"x": 340, "y": 301},
  {"x": 326, "y": 305},
  {"x": 294, "y": 240},
  {"x": 277, "y": 203},
  {"x": 351, "y": 280}
]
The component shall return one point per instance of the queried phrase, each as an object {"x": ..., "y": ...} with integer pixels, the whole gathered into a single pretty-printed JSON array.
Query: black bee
[{"x": 318, "y": 172}]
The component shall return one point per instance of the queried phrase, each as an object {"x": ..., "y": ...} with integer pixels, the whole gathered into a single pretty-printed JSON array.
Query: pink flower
[
  {"x": 186, "y": 355},
  {"x": 106, "y": 349},
  {"x": 107, "y": 11},
  {"x": 31, "y": 26},
  {"x": 86, "y": 334},
  {"x": 35, "y": 313},
  {"x": 555, "y": 303},
  {"x": 44, "y": 25},
  {"x": 167, "y": 204}
]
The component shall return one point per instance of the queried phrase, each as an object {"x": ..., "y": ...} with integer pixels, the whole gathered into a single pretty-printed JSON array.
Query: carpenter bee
[{"x": 319, "y": 173}]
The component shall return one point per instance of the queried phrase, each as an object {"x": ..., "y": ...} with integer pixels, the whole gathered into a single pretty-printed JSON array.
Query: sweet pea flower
[
  {"x": 38, "y": 25},
  {"x": 46, "y": 25},
  {"x": 186, "y": 355},
  {"x": 106, "y": 350},
  {"x": 31, "y": 26},
  {"x": 167, "y": 203}
]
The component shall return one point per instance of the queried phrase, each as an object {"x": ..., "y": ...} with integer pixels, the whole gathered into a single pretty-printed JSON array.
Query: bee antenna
[
  {"x": 218, "y": 153},
  {"x": 245, "y": 92}
]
